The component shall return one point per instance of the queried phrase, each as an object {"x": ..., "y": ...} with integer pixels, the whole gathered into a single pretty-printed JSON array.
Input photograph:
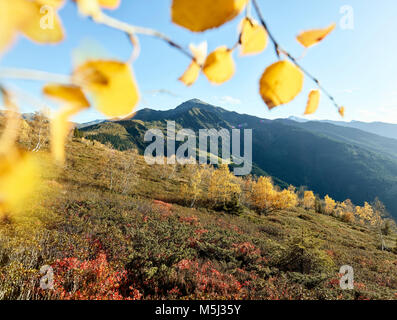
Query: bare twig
[
  {"x": 35, "y": 75},
  {"x": 104, "y": 19},
  {"x": 262, "y": 21},
  {"x": 279, "y": 50}
]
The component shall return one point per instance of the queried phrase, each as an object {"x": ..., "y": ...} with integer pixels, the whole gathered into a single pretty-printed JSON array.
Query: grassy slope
[
  {"x": 341, "y": 162},
  {"x": 149, "y": 240}
]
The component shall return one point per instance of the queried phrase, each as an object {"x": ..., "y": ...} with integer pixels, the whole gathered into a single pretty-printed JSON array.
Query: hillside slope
[
  {"x": 111, "y": 238},
  {"x": 341, "y": 162}
]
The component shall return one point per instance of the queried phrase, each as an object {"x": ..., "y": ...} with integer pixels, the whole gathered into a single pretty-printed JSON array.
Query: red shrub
[
  {"x": 164, "y": 208},
  {"x": 205, "y": 280},
  {"x": 90, "y": 280}
]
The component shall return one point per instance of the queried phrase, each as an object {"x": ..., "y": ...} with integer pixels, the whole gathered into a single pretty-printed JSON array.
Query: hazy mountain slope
[
  {"x": 362, "y": 138},
  {"x": 341, "y": 162},
  {"x": 384, "y": 129}
]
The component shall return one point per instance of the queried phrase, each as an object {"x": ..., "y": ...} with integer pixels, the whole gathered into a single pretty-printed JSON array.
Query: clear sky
[{"x": 357, "y": 66}]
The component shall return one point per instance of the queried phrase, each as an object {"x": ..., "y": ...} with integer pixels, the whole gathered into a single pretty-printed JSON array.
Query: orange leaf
[
  {"x": 313, "y": 102},
  {"x": 312, "y": 37}
]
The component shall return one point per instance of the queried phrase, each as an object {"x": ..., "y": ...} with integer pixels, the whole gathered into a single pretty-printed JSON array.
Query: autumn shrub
[
  {"x": 231, "y": 206},
  {"x": 318, "y": 206},
  {"x": 266, "y": 198},
  {"x": 155, "y": 247},
  {"x": 202, "y": 279},
  {"x": 329, "y": 205},
  {"x": 304, "y": 255},
  {"x": 309, "y": 200},
  {"x": 272, "y": 230},
  {"x": 347, "y": 217},
  {"x": 224, "y": 190},
  {"x": 90, "y": 280}
]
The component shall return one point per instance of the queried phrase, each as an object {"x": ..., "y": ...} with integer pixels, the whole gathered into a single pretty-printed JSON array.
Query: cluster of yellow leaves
[
  {"x": 60, "y": 125},
  {"x": 223, "y": 185},
  {"x": 19, "y": 171},
  {"x": 112, "y": 86},
  {"x": 265, "y": 197},
  {"x": 111, "y": 83},
  {"x": 192, "y": 190},
  {"x": 218, "y": 66},
  {"x": 367, "y": 214},
  {"x": 19, "y": 177},
  {"x": 330, "y": 204},
  {"x": 38, "y": 20},
  {"x": 26, "y": 17},
  {"x": 345, "y": 211},
  {"x": 309, "y": 200},
  {"x": 280, "y": 83}
]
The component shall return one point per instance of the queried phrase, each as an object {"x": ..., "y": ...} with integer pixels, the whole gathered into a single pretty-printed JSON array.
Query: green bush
[{"x": 304, "y": 255}]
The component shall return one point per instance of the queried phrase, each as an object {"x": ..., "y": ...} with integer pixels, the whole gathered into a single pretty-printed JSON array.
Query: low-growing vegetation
[{"x": 112, "y": 227}]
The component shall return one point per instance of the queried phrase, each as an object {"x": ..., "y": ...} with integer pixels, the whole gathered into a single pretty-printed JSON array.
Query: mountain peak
[{"x": 192, "y": 103}]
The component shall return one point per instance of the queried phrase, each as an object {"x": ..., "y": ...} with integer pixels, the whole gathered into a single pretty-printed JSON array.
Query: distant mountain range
[
  {"x": 388, "y": 130},
  {"x": 330, "y": 158}
]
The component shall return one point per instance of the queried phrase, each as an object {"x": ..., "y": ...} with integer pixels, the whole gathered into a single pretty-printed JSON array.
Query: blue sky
[{"x": 357, "y": 66}]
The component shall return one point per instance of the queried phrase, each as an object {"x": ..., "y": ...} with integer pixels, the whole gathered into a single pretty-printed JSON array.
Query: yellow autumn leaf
[
  {"x": 44, "y": 26},
  {"x": 193, "y": 71},
  {"x": 313, "y": 102},
  {"x": 109, "y": 4},
  {"x": 11, "y": 129},
  {"x": 219, "y": 65},
  {"x": 13, "y": 15},
  {"x": 253, "y": 37},
  {"x": 19, "y": 178},
  {"x": 191, "y": 74},
  {"x": 69, "y": 94},
  {"x": 312, "y": 37},
  {"x": 341, "y": 111},
  {"x": 74, "y": 100},
  {"x": 60, "y": 128},
  {"x": 280, "y": 83},
  {"x": 53, "y": 3},
  {"x": 118, "y": 95},
  {"x": 205, "y": 14},
  {"x": 92, "y": 8}
]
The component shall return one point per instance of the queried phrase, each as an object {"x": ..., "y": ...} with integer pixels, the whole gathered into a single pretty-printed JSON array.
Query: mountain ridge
[{"x": 329, "y": 159}]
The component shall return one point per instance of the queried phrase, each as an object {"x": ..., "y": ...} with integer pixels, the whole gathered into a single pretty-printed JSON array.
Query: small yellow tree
[
  {"x": 309, "y": 200},
  {"x": 345, "y": 210},
  {"x": 223, "y": 185},
  {"x": 285, "y": 199},
  {"x": 265, "y": 198},
  {"x": 367, "y": 214},
  {"x": 263, "y": 193},
  {"x": 192, "y": 190},
  {"x": 330, "y": 204}
]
